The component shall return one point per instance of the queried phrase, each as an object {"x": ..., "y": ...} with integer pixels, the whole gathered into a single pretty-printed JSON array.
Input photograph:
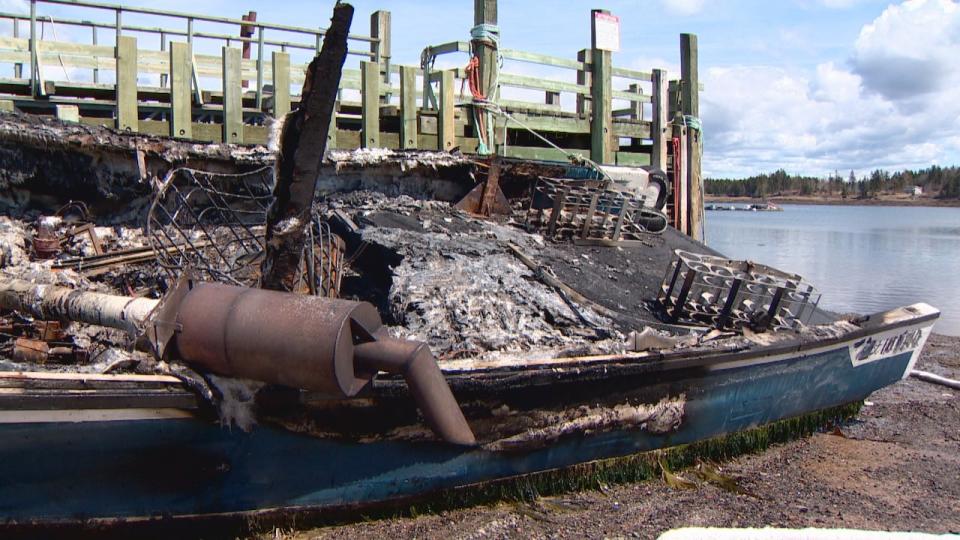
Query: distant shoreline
[{"x": 920, "y": 201}]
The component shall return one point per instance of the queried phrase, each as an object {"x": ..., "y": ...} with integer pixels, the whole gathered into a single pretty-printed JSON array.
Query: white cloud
[
  {"x": 682, "y": 7},
  {"x": 911, "y": 49},
  {"x": 876, "y": 111}
]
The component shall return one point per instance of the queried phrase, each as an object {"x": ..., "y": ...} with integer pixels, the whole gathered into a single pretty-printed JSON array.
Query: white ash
[
  {"x": 236, "y": 404},
  {"x": 465, "y": 295}
]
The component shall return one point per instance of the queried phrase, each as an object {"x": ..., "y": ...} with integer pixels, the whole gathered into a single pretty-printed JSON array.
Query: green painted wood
[
  {"x": 446, "y": 138},
  {"x": 333, "y": 134},
  {"x": 6, "y": 105},
  {"x": 633, "y": 159},
  {"x": 658, "y": 124},
  {"x": 547, "y": 123},
  {"x": 280, "y": 67},
  {"x": 535, "y": 83},
  {"x": 601, "y": 125},
  {"x": 68, "y": 113},
  {"x": 232, "y": 97},
  {"x": 380, "y": 31},
  {"x": 126, "y": 112},
  {"x": 408, "y": 107},
  {"x": 690, "y": 104},
  {"x": 583, "y": 79},
  {"x": 180, "y": 90},
  {"x": 542, "y": 59},
  {"x": 631, "y": 128},
  {"x": 542, "y": 153},
  {"x": 370, "y": 78}
]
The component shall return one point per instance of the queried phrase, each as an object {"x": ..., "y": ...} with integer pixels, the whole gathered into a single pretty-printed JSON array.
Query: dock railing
[{"x": 161, "y": 78}]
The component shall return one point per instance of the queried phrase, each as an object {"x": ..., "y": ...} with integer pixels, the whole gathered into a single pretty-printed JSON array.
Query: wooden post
[
  {"x": 681, "y": 195},
  {"x": 380, "y": 30},
  {"x": 34, "y": 60},
  {"x": 370, "y": 89},
  {"x": 583, "y": 79},
  {"x": 181, "y": 106},
  {"x": 232, "y": 97},
  {"x": 17, "y": 67},
  {"x": 658, "y": 122},
  {"x": 446, "y": 137},
  {"x": 127, "y": 116},
  {"x": 690, "y": 103},
  {"x": 601, "y": 125},
  {"x": 332, "y": 130},
  {"x": 485, "y": 12},
  {"x": 281, "y": 83},
  {"x": 408, "y": 107},
  {"x": 673, "y": 98},
  {"x": 636, "y": 107}
]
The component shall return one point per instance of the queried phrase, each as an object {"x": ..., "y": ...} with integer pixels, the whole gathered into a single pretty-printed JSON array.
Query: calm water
[{"x": 861, "y": 258}]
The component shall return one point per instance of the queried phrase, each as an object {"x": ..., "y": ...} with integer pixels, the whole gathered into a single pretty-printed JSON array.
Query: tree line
[{"x": 940, "y": 182}]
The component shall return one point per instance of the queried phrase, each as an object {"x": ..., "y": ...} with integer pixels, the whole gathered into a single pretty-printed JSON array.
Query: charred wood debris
[{"x": 96, "y": 210}]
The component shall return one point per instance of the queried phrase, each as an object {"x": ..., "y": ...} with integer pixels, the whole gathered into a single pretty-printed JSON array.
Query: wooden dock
[{"x": 161, "y": 78}]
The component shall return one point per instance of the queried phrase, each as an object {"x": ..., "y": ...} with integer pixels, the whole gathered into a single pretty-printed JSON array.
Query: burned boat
[{"x": 434, "y": 340}]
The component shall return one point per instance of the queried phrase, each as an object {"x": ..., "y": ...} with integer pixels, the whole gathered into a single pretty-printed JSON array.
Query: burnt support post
[{"x": 302, "y": 146}]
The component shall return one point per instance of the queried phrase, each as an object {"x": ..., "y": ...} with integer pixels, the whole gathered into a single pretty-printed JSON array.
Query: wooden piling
[
  {"x": 281, "y": 84},
  {"x": 408, "y": 107},
  {"x": 690, "y": 104},
  {"x": 583, "y": 79},
  {"x": 126, "y": 112},
  {"x": 181, "y": 73},
  {"x": 446, "y": 136},
  {"x": 370, "y": 107},
  {"x": 658, "y": 123},
  {"x": 380, "y": 31},
  {"x": 232, "y": 102},
  {"x": 601, "y": 124}
]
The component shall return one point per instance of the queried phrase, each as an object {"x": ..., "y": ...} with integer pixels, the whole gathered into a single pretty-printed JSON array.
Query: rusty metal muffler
[{"x": 322, "y": 344}]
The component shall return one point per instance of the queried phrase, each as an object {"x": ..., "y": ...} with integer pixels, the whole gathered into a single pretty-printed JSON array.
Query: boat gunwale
[{"x": 608, "y": 366}]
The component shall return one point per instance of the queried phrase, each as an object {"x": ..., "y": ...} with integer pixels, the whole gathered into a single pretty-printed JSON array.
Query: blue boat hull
[{"x": 184, "y": 466}]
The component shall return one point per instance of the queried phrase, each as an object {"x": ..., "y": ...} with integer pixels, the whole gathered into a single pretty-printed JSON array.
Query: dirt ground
[{"x": 896, "y": 467}]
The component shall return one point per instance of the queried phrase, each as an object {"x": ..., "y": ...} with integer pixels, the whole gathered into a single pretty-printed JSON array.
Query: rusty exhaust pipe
[
  {"x": 314, "y": 343},
  {"x": 322, "y": 344}
]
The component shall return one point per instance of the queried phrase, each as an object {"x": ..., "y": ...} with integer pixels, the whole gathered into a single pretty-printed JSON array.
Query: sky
[{"x": 810, "y": 86}]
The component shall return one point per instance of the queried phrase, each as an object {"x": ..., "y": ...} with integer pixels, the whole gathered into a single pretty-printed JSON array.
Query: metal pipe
[
  {"x": 314, "y": 343},
  {"x": 414, "y": 361},
  {"x": 61, "y": 303}
]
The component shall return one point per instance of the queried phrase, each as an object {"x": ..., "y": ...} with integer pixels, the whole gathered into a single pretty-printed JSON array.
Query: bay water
[{"x": 862, "y": 259}]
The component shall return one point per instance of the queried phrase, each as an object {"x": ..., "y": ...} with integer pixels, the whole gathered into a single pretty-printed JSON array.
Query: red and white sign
[{"x": 606, "y": 31}]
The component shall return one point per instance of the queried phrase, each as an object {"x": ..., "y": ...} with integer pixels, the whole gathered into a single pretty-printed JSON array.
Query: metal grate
[
  {"x": 588, "y": 212},
  {"x": 214, "y": 224},
  {"x": 724, "y": 293}
]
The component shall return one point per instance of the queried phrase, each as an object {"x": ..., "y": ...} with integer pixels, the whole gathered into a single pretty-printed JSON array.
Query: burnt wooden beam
[{"x": 302, "y": 145}]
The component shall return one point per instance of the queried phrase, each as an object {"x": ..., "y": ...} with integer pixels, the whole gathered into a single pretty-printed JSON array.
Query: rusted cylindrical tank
[{"x": 294, "y": 340}]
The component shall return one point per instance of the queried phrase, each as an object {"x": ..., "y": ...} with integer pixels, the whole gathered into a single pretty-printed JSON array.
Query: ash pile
[{"x": 386, "y": 230}]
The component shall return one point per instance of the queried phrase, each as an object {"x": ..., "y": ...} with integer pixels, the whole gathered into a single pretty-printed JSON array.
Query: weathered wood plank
[
  {"x": 180, "y": 90},
  {"x": 446, "y": 134},
  {"x": 126, "y": 112},
  {"x": 68, "y": 113},
  {"x": 232, "y": 97},
  {"x": 280, "y": 67},
  {"x": 523, "y": 81},
  {"x": 658, "y": 124},
  {"x": 408, "y": 107},
  {"x": 370, "y": 74}
]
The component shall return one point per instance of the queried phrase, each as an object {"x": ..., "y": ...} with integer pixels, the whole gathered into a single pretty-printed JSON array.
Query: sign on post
[{"x": 607, "y": 28}]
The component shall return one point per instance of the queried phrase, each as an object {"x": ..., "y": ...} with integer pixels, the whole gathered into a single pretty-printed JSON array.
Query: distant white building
[{"x": 914, "y": 191}]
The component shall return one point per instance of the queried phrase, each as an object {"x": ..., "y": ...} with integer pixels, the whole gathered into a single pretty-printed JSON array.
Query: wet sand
[{"x": 895, "y": 467}]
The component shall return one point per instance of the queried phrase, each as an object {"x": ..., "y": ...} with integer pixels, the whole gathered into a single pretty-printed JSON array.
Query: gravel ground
[{"x": 896, "y": 467}]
